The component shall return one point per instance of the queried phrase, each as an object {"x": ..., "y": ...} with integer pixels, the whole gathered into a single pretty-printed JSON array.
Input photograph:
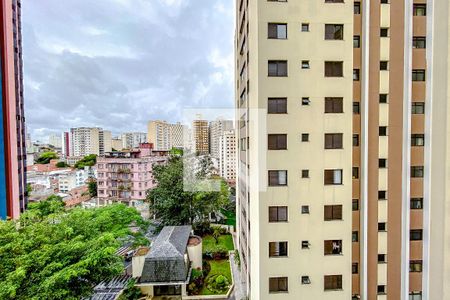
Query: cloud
[{"x": 117, "y": 64}]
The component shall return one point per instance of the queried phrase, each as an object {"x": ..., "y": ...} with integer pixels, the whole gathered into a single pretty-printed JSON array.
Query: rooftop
[{"x": 171, "y": 242}]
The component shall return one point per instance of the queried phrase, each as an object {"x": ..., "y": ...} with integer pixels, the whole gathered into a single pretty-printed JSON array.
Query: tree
[
  {"x": 45, "y": 157},
  {"x": 92, "y": 186},
  {"x": 216, "y": 234},
  {"x": 62, "y": 164},
  {"x": 87, "y": 161},
  {"x": 52, "y": 253},
  {"x": 174, "y": 205}
]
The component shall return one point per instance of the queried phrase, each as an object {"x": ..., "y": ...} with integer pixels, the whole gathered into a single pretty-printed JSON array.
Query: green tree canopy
[
  {"x": 62, "y": 164},
  {"x": 87, "y": 161},
  {"x": 173, "y": 205},
  {"x": 92, "y": 186},
  {"x": 51, "y": 253},
  {"x": 45, "y": 157}
]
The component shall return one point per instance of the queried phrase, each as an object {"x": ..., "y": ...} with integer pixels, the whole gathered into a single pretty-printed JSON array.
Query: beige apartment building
[
  {"x": 89, "y": 140},
  {"x": 166, "y": 136},
  {"x": 200, "y": 130},
  {"x": 343, "y": 161}
]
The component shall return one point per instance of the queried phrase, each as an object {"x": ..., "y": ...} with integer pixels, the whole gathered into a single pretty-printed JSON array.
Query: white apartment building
[
  {"x": 74, "y": 179},
  {"x": 177, "y": 132},
  {"x": 89, "y": 140},
  {"x": 131, "y": 140},
  {"x": 216, "y": 130},
  {"x": 227, "y": 155},
  {"x": 55, "y": 140},
  {"x": 159, "y": 135}
]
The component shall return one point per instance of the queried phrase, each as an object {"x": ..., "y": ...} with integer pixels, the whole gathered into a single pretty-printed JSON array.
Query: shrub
[
  {"x": 203, "y": 228},
  {"x": 218, "y": 284},
  {"x": 206, "y": 268},
  {"x": 196, "y": 282}
]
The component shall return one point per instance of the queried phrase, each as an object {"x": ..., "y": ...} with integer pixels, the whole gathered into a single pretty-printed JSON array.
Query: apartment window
[
  {"x": 355, "y": 74},
  {"x": 419, "y": 42},
  {"x": 415, "y": 295},
  {"x": 382, "y": 195},
  {"x": 334, "y": 31},
  {"x": 305, "y": 64},
  {"x": 384, "y": 2},
  {"x": 384, "y": 65},
  {"x": 332, "y": 282},
  {"x": 355, "y": 140},
  {"x": 355, "y": 173},
  {"x": 355, "y": 268},
  {"x": 334, "y": 1},
  {"x": 333, "y": 177},
  {"x": 356, "y": 41},
  {"x": 305, "y": 137},
  {"x": 417, "y": 139},
  {"x": 382, "y": 258},
  {"x": 278, "y": 285},
  {"x": 305, "y": 101},
  {"x": 277, "y": 106},
  {"x": 415, "y": 234},
  {"x": 382, "y": 226},
  {"x": 415, "y": 266},
  {"x": 357, "y": 8},
  {"x": 305, "y": 173},
  {"x": 416, "y": 203},
  {"x": 383, "y": 98},
  {"x": 419, "y": 10},
  {"x": 278, "y": 68},
  {"x": 333, "y": 140},
  {"x": 381, "y": 289},
  {"x": 305, "y": 209},
  {"x": 382, "y": 163},
  {"x": 277, "y": 141},
  {"x": 418, "y": 75},
  {"x": 305, "y": 244},
  {"x": 418, "y": 108},
  {"x": 332, "y": 212},
  {"x": 382, "y": 131},
  {"x": 277, "y": 178},
  {"x": 355, "y": 236},
  {"x": 277, "y": 31},
  {"x": 305, "y": 27},
  {"x": 306, "y": 280},
  {"x": 278, "y": 249},
  {"x": 384, "y": 32},
  {"x": 417, "y": 171},
  {"x": 355, "y": 205},
  {"x": 334, "y": 69},
  {"x": 334, "y": 105},
  {"x": 278, "y": 214},
  {"x": 356, "y": 108},
  {"x": 332, "y": 247}
]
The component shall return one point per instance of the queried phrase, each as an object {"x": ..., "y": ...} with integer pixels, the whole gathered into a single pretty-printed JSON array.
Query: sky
[{"x": 117, "y": 64}]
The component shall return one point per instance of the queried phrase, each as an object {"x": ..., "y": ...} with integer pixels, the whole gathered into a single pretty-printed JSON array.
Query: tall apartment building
[
  {"x": 343, "y": 182},
  {"x": 177, "y": 132},
  {"x": 216, "y": 130},
  {"x": 89, "y": 140},
  {"x": 159, "y": 135},
  {"x": 117, "y": 143},
  {"x": 65, "y": 144},
  {"x": 13, "y": 199},
  {"x": 200, "y": 132},
  {"x": 227, "y": 155},
  {"x": 132, "y": 140}
]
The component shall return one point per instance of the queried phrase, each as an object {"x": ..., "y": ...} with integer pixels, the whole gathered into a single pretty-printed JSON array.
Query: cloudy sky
[{"x": 119, "y": 63}]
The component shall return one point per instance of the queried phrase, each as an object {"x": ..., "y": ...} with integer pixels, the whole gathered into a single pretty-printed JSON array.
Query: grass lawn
[
  {"x": 221, "y": 267},
  {"x": 225, "y": 240}
]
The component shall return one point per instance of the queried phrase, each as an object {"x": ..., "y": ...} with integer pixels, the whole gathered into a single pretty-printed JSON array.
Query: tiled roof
[{"x": 171, "y": 242}]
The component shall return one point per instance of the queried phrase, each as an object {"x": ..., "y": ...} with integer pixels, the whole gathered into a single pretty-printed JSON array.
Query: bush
[
  {"x": 219, "y": 252},
  {"x": 218, "y": 284},
  {"x": 196, "y": 282},
  {"x": 203, "y": 228},
  {"x": 206, "y": 268},
  {"x": 61, "y": 164}
]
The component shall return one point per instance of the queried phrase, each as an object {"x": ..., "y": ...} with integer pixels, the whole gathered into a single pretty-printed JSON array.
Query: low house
[{"x": 166, "y": 269}]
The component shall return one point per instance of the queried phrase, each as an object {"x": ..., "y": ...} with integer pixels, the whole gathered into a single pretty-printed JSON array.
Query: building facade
[
  {"x": 200, "y": 132},
  {"x": 65, "y": 144},
  {"x": 159, "y": 135},
  {"x": 89, "y": 140},
  {"x": 55, "y": 140},
  {"x": 344, "y": 149},
  {"x": 227, "y": 155},
  {"x": 132, "y": 140},
  {"x": 177, "y": 132},
  {"x": 125, "y": 176},
  {"x": 13, "y": 199},
  {"x": 216, "y": 130}
]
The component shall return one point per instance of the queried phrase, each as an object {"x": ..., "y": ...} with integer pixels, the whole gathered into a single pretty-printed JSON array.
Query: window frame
[
  {"x": 332, "y": 212},
  {"x": 281, "y": 217},
  {"x": 334, "y": 32},
  {"x": 334, "y": 69},
  {"x": 334, "y": 105},
  {"x": 332, "y": 282},
  {"x": 278, "y": 284},
  {"x": 277, "y": 141},
  {"x": 278, "y": 172},
  {"x": 270, "y": 30},
  {"x": 280, "y": 104},
  {"x": 278, "y": 249},
  {"x": 279, "y": 68},
  {"x": 333, "y": 141}
]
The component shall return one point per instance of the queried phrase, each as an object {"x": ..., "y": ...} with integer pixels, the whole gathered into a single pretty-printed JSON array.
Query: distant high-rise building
[
  {"x": 132, "y": 140},
  {"x": 159, "y": 135},
  {"x": 65, "y": 144},
  {"x": 13, "y": 199},
  {"x": 89, "y": 140},
  {"x": 216, "y": 130},
  {"x": 55, "y": 140},
  {"x": 200, "y": 133},
  {"x": 177, "y": 132},
  {"x": 117, "y": 144},
  {"x": 227, "y": 155},
  {"x": 343, "y": 187}
]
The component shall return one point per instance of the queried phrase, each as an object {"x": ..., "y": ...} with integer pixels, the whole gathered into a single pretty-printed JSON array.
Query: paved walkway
[{"x": 239, "y": 291}]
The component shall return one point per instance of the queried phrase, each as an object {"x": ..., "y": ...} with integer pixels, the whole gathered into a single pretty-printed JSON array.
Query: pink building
[{"x": 126, "y": 176}]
